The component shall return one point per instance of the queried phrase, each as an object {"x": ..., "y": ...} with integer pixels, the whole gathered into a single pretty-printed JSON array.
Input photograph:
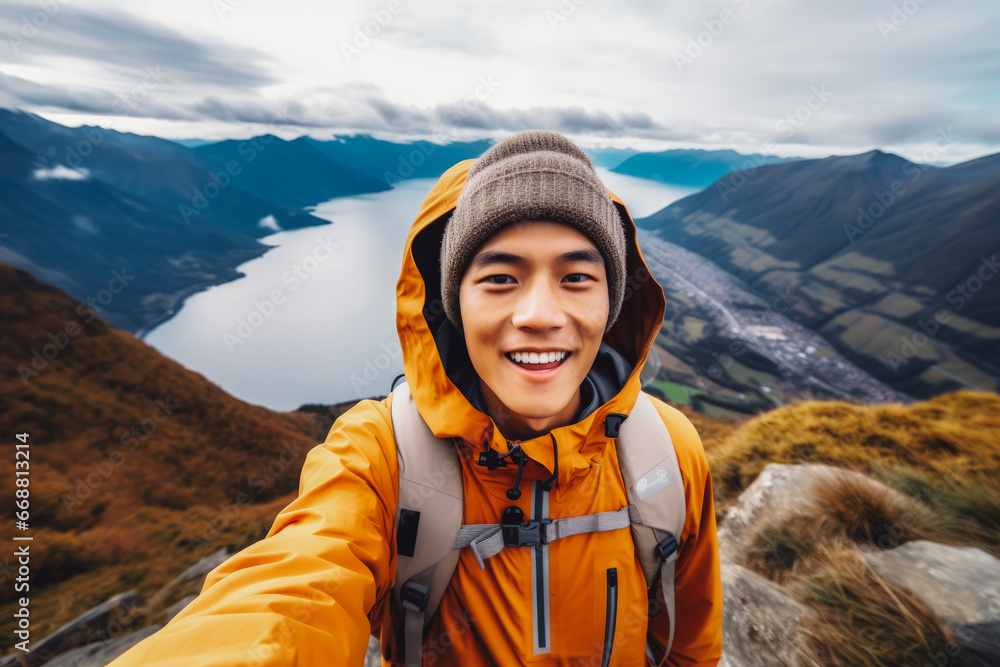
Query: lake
[{"x": 313, "y": 320}]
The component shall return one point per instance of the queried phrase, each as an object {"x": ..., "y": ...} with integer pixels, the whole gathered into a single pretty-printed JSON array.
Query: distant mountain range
[
  {"x": 82, "y": 203},
  {"x": 691, "y": 167},
  {"x": 891, "y": 261}
]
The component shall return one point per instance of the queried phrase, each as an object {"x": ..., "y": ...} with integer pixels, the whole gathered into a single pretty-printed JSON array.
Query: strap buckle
[
  {"x": 527, "y": 534},
  {"x": 414, "y": 597},
  {"x": 667, "y": 548}
]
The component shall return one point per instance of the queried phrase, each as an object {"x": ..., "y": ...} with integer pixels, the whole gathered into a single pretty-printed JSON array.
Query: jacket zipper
[
  {"x": 611, "y": 616},
  {"x": 540, "y": 575}
]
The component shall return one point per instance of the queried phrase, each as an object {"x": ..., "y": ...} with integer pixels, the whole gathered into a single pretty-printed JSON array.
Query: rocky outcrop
[
  {"x": 761, "y": 624},
  {"x": 99, "y": 622},
  {"x": 98, "y": 636},
  {"x": 101, "y": 653},
  {"x": 960, "y": 585},
  {"x": 190, "y": 581},
  {"x": 778, "y": 488},
  {"x": 781, "y": 491}
]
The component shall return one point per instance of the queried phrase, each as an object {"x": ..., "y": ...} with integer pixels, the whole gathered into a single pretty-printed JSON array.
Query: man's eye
[
  {"x": 577, "y": 277},
  {"x": 500, "y": 279}
]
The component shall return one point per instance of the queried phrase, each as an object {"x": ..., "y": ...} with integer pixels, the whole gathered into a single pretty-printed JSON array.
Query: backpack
[{"x": 430, "y": 534}]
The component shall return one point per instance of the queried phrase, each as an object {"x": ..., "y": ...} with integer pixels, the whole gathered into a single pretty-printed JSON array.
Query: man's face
[{"x": 534, "y": 287}]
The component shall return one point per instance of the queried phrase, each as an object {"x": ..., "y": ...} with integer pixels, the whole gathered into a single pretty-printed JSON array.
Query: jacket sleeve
[
  {"x": 697, "y": 572},
  {"x": 302, "y": 595}
]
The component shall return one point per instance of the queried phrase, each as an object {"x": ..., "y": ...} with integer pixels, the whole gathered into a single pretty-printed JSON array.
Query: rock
[
  {"x": 961, "y": 585},
  {"x": 782, "y": 490},
  {"x": 193, "y": 577},
  {"x": 101, "y": 653},
  {"x": 93, "y": 622},
  {"x": 760, "y": 624},
  {"x": 178, "y": 606},
  {"x": 374, "y": 656},
  {"x": 779, "y": 485}
]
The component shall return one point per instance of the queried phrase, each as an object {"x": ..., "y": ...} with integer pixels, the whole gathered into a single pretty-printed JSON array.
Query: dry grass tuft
[
  {"x": 951, "y": 436},
  {"x": 780, "y": 549},
  {"x": 848, "y": 510},
  {"x": 863, "y": 511},
  {"x": 864, "y": 619}
]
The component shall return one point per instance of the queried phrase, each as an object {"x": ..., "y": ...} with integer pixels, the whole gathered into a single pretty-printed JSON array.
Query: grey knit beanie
[{"x": 532, "y": 175}]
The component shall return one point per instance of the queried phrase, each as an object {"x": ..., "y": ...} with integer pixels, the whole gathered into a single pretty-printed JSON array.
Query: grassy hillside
[
  {"x": 892, "y": 262},
  {"x": 137, "y": 464},
  {"x": 933, "y": 474},
  {"x": 954, "y": 439}
]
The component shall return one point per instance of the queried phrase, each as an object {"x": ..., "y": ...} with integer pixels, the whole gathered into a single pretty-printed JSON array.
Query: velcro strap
[{"x": 486, "y": 539}]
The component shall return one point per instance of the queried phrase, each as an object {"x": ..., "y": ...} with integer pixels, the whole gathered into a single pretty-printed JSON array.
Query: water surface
[{"x": 313, "y": 320}]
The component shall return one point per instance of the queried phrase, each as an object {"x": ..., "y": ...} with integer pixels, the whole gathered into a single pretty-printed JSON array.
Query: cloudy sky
[{"x": 790, "y": 77}]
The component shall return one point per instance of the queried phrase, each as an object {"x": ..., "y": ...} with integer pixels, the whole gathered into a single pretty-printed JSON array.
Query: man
[{"x": 525, "y": 313}]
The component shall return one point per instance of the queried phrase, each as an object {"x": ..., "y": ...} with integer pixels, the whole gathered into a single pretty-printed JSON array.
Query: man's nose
[{"x": 539, "y": 307}]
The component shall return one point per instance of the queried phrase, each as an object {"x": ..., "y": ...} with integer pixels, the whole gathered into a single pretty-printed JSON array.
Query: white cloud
[
  {"x": 269, "y": 222},
  {"x": 61, "y": 173},
  {"x": 599, "y": 72}
]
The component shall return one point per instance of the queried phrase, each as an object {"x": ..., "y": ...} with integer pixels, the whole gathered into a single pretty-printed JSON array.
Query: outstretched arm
[{"x": 301, "y": 595}]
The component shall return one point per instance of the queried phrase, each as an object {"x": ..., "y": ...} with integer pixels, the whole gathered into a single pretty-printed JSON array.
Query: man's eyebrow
[
  {"x": 489, "y": 257},
  {"x": 585, "y": 255}
]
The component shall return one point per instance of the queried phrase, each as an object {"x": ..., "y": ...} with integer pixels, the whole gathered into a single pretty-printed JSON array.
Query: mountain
[
  {"x": 692, "y": 167},
  {"x": 130, "y": 260},
  {"x": 291, "y": 173},
  {"x": 890, "y": 261},
  {"x": 391, "y": 162},
  {"x": 156, "y": 171},
  {"x": 609, "y": 158},
  {"x": 728, "y": 352},
  {"x": 139, "y": 466}
]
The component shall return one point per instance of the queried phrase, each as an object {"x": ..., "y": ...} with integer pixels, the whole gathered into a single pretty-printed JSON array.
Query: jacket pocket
[{"x": 611, "y": 616}]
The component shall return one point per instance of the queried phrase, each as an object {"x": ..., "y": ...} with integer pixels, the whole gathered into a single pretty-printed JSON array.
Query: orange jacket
[{"x": 313, "y": 590}]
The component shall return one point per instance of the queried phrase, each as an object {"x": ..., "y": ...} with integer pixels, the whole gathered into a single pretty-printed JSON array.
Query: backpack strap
[
  {"x": 430, "y": 486},
  {"x": 655, "y": 489},
  {"x": 427, "y": 519}
]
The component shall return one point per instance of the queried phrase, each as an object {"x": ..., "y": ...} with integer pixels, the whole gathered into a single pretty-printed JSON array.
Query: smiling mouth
[{"x": 538, "y": 361}]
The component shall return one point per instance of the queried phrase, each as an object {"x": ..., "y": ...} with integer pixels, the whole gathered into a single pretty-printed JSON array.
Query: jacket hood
[{"x": 440, "y": 374}]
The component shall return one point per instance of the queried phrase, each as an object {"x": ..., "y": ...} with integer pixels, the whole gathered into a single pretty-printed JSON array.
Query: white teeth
[{"x": 536, "y": 357}]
